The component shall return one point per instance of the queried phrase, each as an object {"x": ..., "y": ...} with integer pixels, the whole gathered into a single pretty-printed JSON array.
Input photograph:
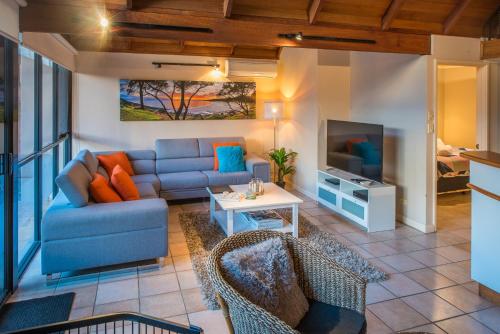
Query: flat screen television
[{"x": 356, "y": 148}]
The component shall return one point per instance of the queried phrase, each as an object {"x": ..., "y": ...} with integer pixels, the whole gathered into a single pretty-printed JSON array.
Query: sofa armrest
[{"x": 259, "y": 167}]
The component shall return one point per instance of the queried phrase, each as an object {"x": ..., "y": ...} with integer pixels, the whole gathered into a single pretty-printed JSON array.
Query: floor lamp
[{"x": 274, "y": 110}]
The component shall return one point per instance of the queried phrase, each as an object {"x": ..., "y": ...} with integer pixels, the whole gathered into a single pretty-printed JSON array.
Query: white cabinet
[{"x": 371, "y": 206}]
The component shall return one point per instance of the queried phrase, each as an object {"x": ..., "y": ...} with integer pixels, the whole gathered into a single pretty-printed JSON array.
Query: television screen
[{"x": 356, "y": 148}]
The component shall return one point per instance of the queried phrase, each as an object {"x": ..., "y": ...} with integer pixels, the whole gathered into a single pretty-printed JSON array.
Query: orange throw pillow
[
  {"x": 353, "y": 141},
  {"x": 109, "y": 161},
  {"x": 215, "y": 145},
  {"x": 124, "y": 185},
  {"x": 101, "y": 191}
]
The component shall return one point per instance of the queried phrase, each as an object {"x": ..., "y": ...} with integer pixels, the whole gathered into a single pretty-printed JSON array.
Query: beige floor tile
[
  {"x": 164, "y": 305},
  {"x": 374, "y": 325},
  {"x": 343, "y": 228},
  {"x": 403, "y": 245},
  {"x": 176, "y": 237},
  {"x": 361, "y": 251},
  {"x": 179, "y": 249},
  {"x": 308, "y": 205},
  {"x": 400, "y": 285},
  {"x": 472, "y": 286},
  {"x": 329, "y": 219},
  {"x": 182, "y": 263},
  {"x": 463, "y": 325},
  {"x": 212, "y": 322},
  {"x": 489, "y": 317},
  {"x": 157, "y": 284},
  {"x": 193, "y": 300},
  {"x": 131, "y": 305},
  {"x": 462, "y": 298},
  {"x": 83, "y": 312},
  {"x": 455, "y": 272},
  {"x": 360, "y": 237},
  {"x": 179, "y": 319},
  {"x": 430, "y": 279},
  {"x": 453, "y": 253},
  {"x": 397, "y": 315},
  {"x": 378, "y": 249},
  {"x": 428, "y": 257},
  {"x": 187, "y": 279},
  {"x": 402, "y": 262},
  {"x": 117, "y": 291},
  {"x": 383, "y": 266},
  {"x": 118, "y": 275},
  {"x": 431, "y": 306},
  {"x": 429, "y": 328},
  {"x": 376, "y": 293},
  {"x": 157, "y": 269},
  {"x": 85, "y": 296}
]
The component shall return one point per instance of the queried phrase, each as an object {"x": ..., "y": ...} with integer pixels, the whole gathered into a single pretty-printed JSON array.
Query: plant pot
[{"x": 280, "y": 184}]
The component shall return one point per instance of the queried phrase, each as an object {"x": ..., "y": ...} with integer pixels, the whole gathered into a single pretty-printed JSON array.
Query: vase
[{"x": 280, "y": 184}]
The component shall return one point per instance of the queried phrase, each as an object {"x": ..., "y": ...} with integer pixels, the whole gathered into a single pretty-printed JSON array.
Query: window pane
[
  {"x": 47, "y": 179},
  {"x": 63, "y": 100},
  {"x": 47, "y": 102},
  {"x": 2, "y": 176},
  {"x": 26, "y": 114},
  {"x": 25, "y": 197}
]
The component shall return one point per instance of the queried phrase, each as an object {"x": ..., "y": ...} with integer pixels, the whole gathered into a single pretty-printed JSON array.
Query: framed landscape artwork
[{"x": 172, "y": 100}]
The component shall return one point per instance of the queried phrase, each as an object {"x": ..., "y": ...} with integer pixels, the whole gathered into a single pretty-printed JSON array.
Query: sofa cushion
[
  {"x": 183, "y": 180},
  {"x": 177, "y": 148},
  {"x": 143, "y": 161},
  {"x": 63, "y": 221},
  {"x": 324, "y": 318},
  {"x": 147, "y": 178},
  {"x": 89, "y": 160},
  {"x": 102, "y": 171},
  {"x": 74, "y": 182},
  {"x": 101, "y": 191},
  {"x": 184, "y": 165},
  {"x": 109, "y": 162},
  {"x": 230, "y": 159},
  {"x": 217, "y": 145},
  {"x": 206, "y": 149},
  {"x": 264, "y": 274},
  {"x": 215, "y": 178},
  {"x": 146, "y": 191},
  {"x": 123, "y": 184}
]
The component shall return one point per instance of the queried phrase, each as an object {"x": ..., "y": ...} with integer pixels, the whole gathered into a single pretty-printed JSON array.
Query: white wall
[
  {"x": 392, "y": 89},
  {"x": 298, "y": 75},
  {"x": 96, "y": 119},
  {"x": 9, "y": 19},
  {"x": 494, "y": 107}
]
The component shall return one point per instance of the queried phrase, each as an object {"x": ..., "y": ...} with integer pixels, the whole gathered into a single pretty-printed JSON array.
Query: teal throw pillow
[
  {"x": 366, "y": 150},
  {"x": 230, "y": 159}
]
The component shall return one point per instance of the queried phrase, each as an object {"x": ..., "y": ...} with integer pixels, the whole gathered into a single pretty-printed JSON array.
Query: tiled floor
[{"x": 429, "y": 287}]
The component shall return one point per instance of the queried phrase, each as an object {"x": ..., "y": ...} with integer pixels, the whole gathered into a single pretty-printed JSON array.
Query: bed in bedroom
[{"x": 452, "y": 170}]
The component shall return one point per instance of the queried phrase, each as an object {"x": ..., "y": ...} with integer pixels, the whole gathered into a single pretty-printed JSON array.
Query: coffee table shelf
[{"x": 240, "y": 225}]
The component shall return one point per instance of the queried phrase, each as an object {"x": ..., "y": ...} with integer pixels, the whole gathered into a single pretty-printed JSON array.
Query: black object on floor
[{"x": 35, "y": 312}]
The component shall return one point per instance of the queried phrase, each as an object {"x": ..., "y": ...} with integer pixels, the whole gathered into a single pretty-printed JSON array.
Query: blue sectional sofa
[{"x": 78, "y": 233}]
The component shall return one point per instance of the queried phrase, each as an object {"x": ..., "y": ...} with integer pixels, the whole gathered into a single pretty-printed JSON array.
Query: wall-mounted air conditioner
[{"x": 251, "y": 68}]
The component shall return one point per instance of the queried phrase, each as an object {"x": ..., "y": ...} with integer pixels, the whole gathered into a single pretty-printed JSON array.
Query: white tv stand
[{"x": 376, "y": 212}]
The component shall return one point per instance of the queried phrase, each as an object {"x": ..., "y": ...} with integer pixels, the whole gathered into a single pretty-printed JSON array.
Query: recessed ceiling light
[
  {"x": 103, "y": 22},
  {"x": 298, "y": 36}
]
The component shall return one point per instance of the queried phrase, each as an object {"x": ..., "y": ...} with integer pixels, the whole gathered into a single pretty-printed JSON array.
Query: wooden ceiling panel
[
  {"x": 353, "y": 13},
  {"x": 207, "y": 6},
  {"x": 289, "y": 9}
]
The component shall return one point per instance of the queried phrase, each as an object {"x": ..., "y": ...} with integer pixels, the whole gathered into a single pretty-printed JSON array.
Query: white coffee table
[{"x": 274, "y": 198}]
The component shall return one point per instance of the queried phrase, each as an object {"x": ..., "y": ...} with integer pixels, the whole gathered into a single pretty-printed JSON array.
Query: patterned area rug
[{"x": 202, "y": 236}]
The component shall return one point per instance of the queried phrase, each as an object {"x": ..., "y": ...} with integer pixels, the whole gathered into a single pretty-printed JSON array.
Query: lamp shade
[{"x": 273, "y": 110}]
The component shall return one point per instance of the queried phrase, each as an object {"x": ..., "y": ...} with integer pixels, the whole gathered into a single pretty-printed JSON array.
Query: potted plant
[{"x": 284, "y": 162}]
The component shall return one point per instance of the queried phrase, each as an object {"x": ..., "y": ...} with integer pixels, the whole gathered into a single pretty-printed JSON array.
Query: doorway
[{"x": 460, "y": 126}]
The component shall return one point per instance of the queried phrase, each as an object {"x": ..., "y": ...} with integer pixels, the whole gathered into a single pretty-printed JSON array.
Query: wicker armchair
[{"x": 320, "y": 278}]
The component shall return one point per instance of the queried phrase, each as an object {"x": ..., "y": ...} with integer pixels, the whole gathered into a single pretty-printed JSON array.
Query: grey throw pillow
[
  {"x": 74, "y": 182},
  {"x": 264, "y": 274},
  {"x": 89, "y": 160}
]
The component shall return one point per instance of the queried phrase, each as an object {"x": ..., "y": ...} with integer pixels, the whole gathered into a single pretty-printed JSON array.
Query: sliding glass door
[{"x": 3, "y": 250}]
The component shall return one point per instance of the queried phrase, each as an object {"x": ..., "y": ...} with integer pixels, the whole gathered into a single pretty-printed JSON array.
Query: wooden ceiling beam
[
  {"x": 314, "y": 10},
  {"x": 455, "y": 15},
  {"x": 78, "y": 20},
  {"x": 490, "y": 49},
  {"x": 152, "y": 46},
  {"x": 228, "y": 8},
  {"x": 391, "y": 13}
]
